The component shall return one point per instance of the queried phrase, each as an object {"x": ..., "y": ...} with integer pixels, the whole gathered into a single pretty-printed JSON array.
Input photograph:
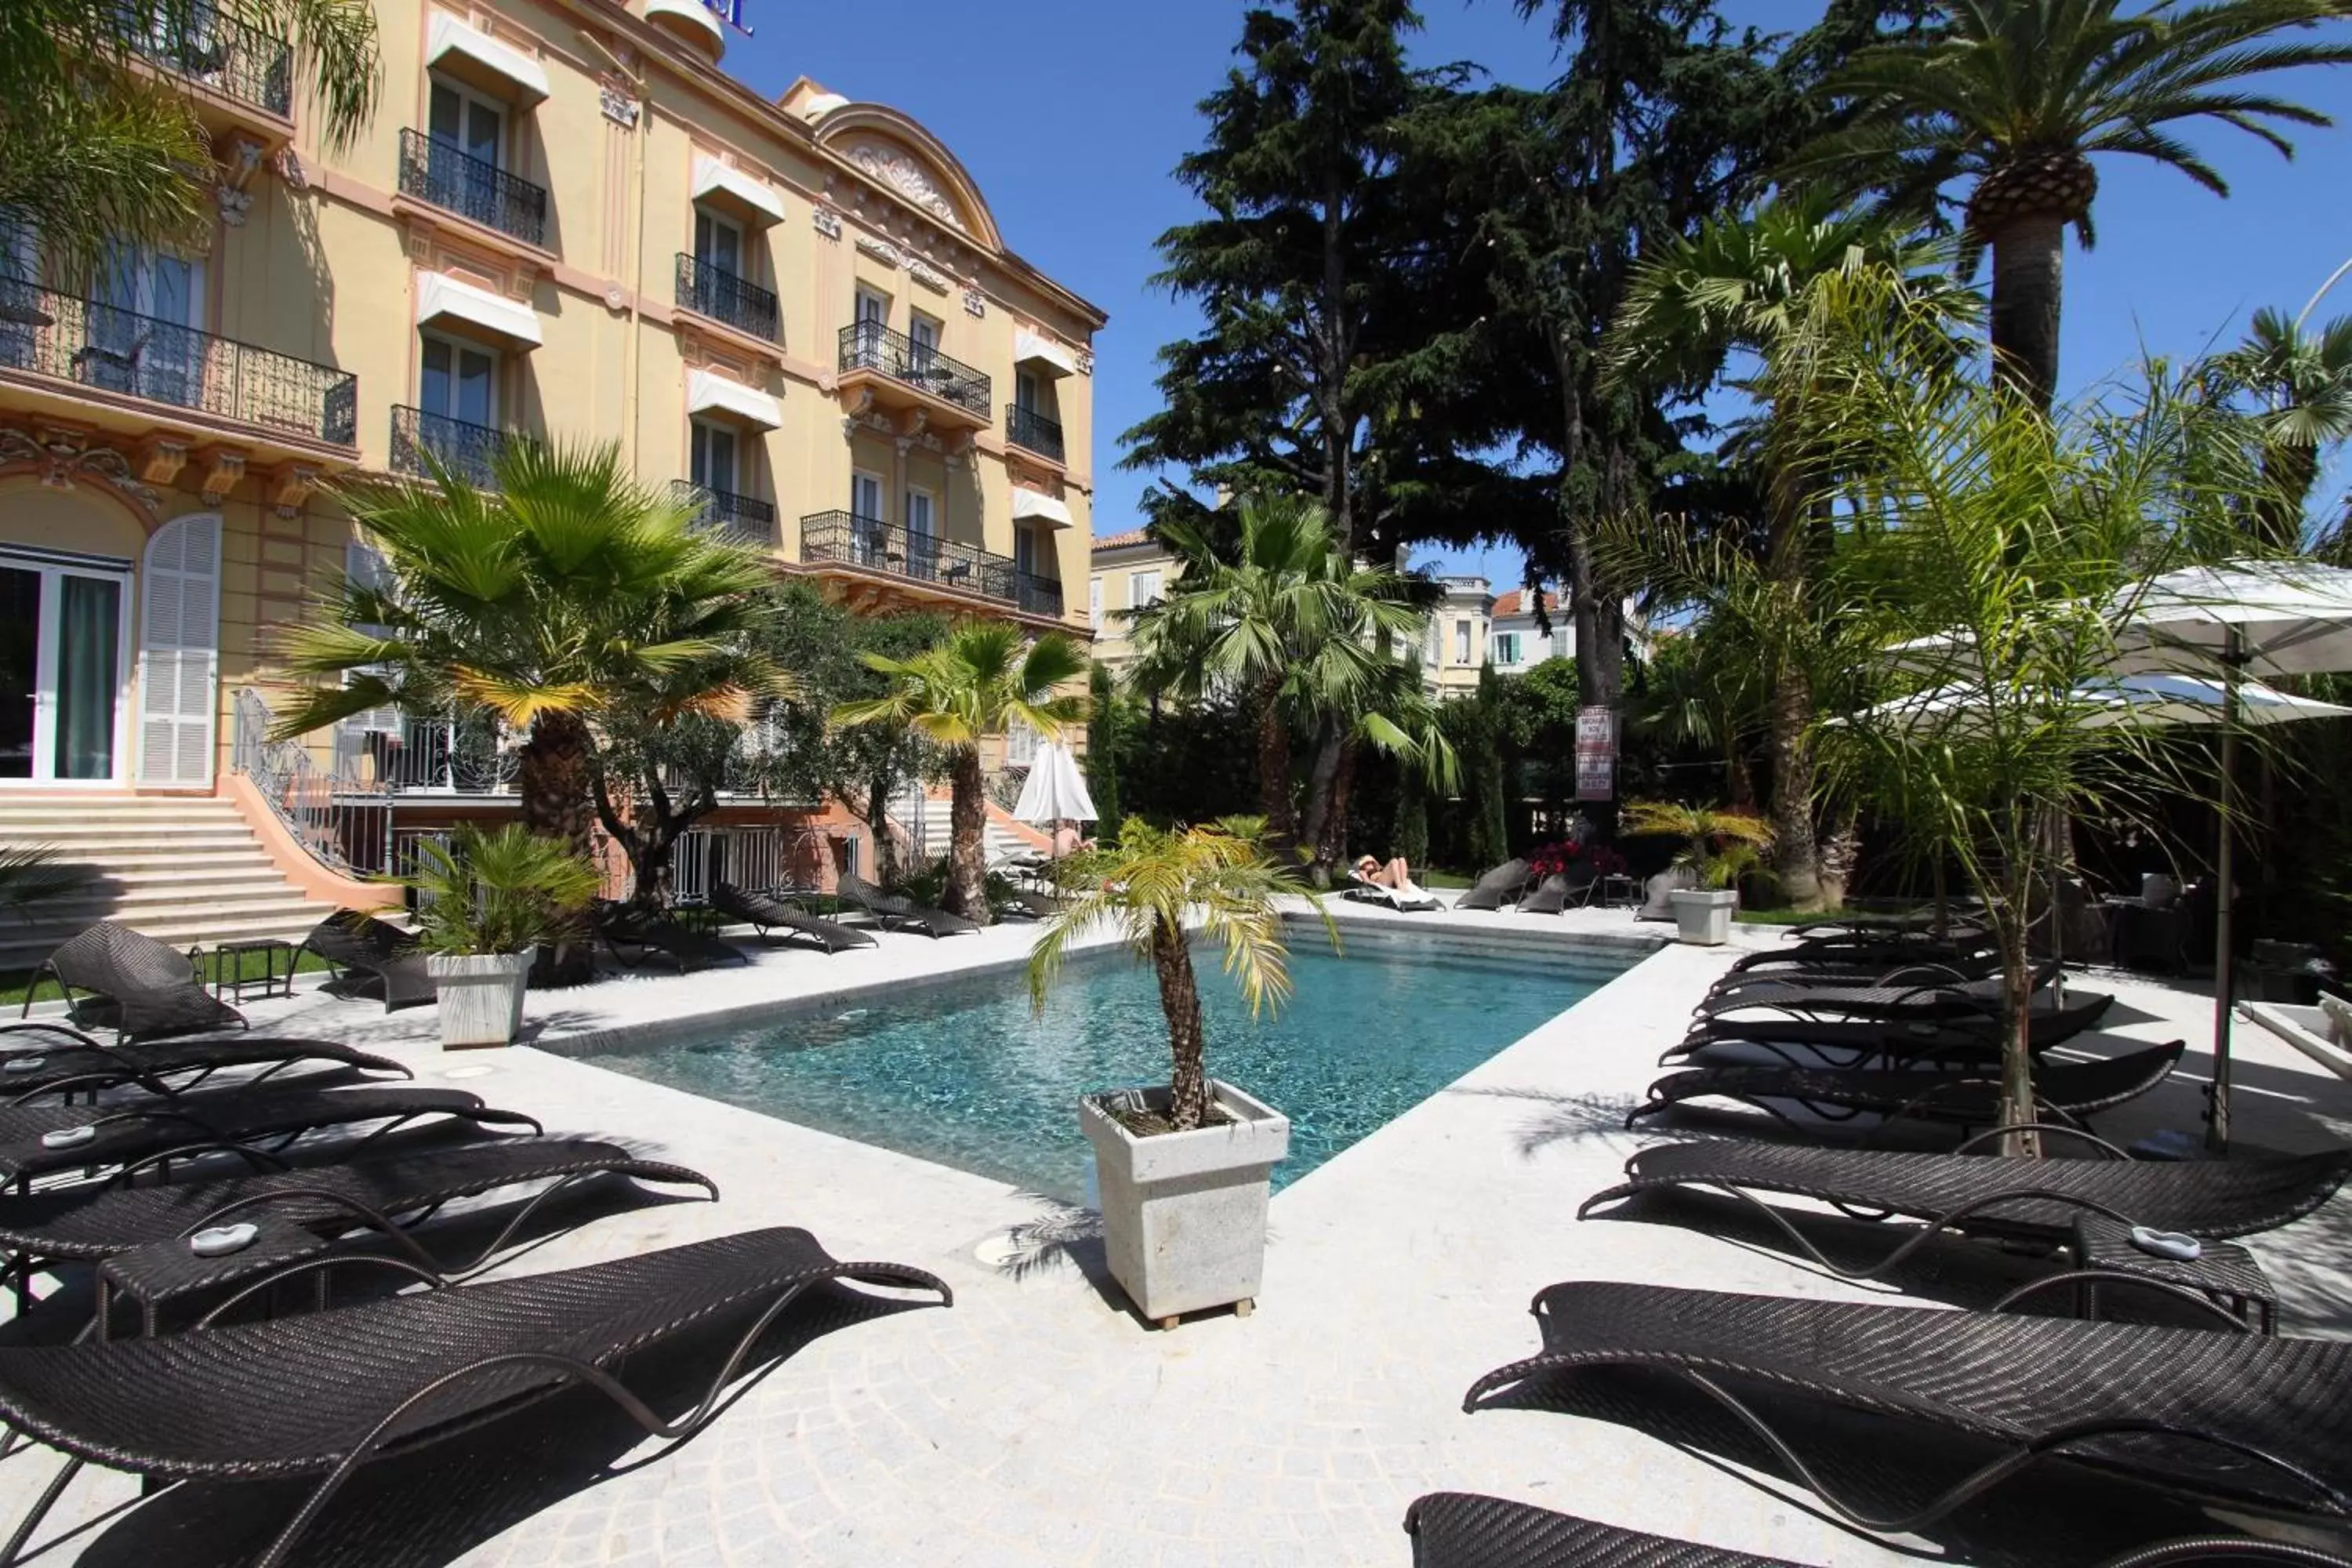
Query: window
[
  {"x": 460, "y": 381},
  {"x": 128, "y": 350},
  {"x": 924, "y": 333},
  {"x": 920, "y": 518},
  {"x": 1024, "y": 551},
  {"x": 464, "y": 121},
  {"x": 1144, "y": 588},
  {"x": 1506, "y": 648},
  {"x": 866, "y": 496},
  {"x": 1462, "y": 642},
  {"x": 873, "y": 308},
  {"x": 1027, "y": 396},
  {"x": 712, "y": 458},
  {"x": 1093, "y": 603},
  {"x": 869, "y": 539},
  {"x": 718, "y": 244}
]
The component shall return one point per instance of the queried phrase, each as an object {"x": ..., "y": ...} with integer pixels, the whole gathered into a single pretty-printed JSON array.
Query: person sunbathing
[{"x": 1396, "y": 874}]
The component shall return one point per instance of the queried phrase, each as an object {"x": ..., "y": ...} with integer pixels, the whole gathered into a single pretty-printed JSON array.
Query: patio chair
[
  {"x": 37, "y": 1141},
  {"x": 1492, "y": 891},
  {"x": 1929, "y": 1001},
  {"x": 66, "y": 1061},
  {"x": 365, "y": 950},
  {"x": 1410, "y": 899},
  {"x": 765, "y": 913},
  {"x": 2235, "y": 1416},
  {"x": 114, "y": 977},
  {"x": 1560, "y": 890},
  {"x": 625, "y": 931},
  {"x": 1861, "y": 977},
  {"x": 1891, "y": 948},
  {"x": 320, "y": 1394},
  {"x": 894, "y": 913},
  {"x": 2031, "y": 1201},
  {"x": 1464, "y": 1529},
  {"x": 2070, "y": 1091},
  {"x": 1864, "y": 1042},
  {"x": 1657, "y": 893}
]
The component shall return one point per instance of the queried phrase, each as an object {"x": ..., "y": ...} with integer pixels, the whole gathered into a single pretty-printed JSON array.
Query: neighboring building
[
  {"x": 566, "y": 222},
  {"x": 1455, "y": 643},
  {"x": 1514, "y": 639},
  {"x": 1128, "y": 572}
]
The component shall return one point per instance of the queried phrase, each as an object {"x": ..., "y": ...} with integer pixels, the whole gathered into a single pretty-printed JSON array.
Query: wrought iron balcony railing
[
  {"x": 870, "y": 345},
  {"x": 1032, "y": 432},
  {"x": 715, "y": 292},
  {"x": 470, "y": 452},
  {"x": 433, "y": 171},
  {"x": 234, "y": 58},
  {"x": 747, "y": 517},
  {"x": 1038, "y": 596},
  {"x": 850, "y": 539},
  {"x": 73, "y": 338}
]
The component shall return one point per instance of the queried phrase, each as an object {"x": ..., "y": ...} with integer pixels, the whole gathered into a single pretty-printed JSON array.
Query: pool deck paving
[{"x": 1040, "y": 1422}]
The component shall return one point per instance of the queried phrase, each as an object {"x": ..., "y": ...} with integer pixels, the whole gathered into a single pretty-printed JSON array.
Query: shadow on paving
[
  {"x": 2055, "y": 1514},
  {"x": 434, "y": 1505}
]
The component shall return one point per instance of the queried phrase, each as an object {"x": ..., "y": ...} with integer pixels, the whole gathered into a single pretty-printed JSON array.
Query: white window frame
[
  {"x": 468, "y": 97},
  {"x": 930, "y": 528},
  {"x": 1143, "y": 588},
  {"x": 872, "y": 305},
  {"x": 1503, "y": 647},
  {"x": 701, "y": 432},
  {"x": 1094, "y": 601},
  {"x": 456, "y": 346},
  {"x": 719, "y": 223},
  {"x": 918, "y": 324},
  {"x": 1461, "y": 642},
  {"x": 860, "y": 477}
]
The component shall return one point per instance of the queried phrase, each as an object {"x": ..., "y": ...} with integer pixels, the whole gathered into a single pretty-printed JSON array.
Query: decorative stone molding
[
  {"x": 881, "y": 250},
  {"x": 240, "y": 160},
  {"x": 64, "y": 455},
  {"x": 223, "y": 466},
  {"x": 974, "y": 304},
  {"x": 926, "y": 277},
  {"x": 618, "y": 106},
  {"x": 913, "y": 423},
  {"x": 292, "y": 485},
  {"x": 1086, "y": 362},
  {"x": 161, "y": 458},
  {"x": 290, "y": 170},
  {"x": 825, "y": 221},
  {"x": 893, "y": 168}
]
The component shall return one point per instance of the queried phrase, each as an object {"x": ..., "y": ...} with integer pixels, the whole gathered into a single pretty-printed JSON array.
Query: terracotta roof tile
[
  {"x": 1121, "y": 540},
  {"x": 1511, "y": 604}
]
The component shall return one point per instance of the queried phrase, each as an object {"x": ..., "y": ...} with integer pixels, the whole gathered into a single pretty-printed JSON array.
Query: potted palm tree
[
  {"x": 484, "y": 903},
  {"x": 1718, "y": 849},
  {"x": 1183, "y": 1169}
]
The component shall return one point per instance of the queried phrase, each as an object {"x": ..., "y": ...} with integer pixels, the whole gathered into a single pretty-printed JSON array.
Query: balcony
[
  {"x": 1032, "y": 432},
  {"x": 724, "y": 297},
  {"x": 469, "y": 452},
  {"x": 68, "y": 338},
  {"x": 747, "y": 520},
  {"x": 899, "y": 373},
  {"x": 436, "y": 172},
  {"x": 229, "y": 58},
  {"x": 1038, "y": 595}
]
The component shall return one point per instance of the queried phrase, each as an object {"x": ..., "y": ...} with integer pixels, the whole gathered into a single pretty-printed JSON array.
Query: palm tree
[
  {"x": 94, "y": 153},
  {"x": 1221, "y": 875},
  {"x": 567, "y": 597},
  {"x": 1284, "y": 619},
  {"x": 2018, "y": 97},
  {"x": 2304, "y": 381},
  {"x": 972, "y": 684}
]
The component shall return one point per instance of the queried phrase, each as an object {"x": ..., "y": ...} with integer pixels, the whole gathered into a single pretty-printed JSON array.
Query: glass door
[
  {"x": 61, "y": 663},
  {"x": 144, "y": 333},
  {"x": 872, "y": 534},
  {"x": 922, "y": 550}
]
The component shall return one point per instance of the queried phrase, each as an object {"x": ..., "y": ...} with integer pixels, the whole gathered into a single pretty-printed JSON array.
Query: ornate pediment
[{"x": 894, "y": 166}]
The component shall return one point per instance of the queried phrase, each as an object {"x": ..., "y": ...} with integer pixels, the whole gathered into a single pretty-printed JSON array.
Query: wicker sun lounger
[
  {"x": 2035, "y": 1201},
  {"x": 897, "y": 913},
  {"x": 368, "y": 952},
  {"x": 1866, "y": 1041},
  {"x": 763, "y": 914},
  {"x": 1973, "y": 997},
  {"x": 116, "y": 978},
  {"x": 65, "y": 1060},
  {"x": 2230, "y": 1416},
  {"x": 1855, "y": 952},
  {"x": 1497, "y": 887},
  {"x": 2065, "y": 1091},
  {"x": 626, "y": 932},
  {"x": 1410, "y": 899},
  {"x": 37, "y": 1141},
  {"x": 1956, "y": 970},
  {"x": 1558, "y": 890},
  {"x": 320, "y": 1394}
]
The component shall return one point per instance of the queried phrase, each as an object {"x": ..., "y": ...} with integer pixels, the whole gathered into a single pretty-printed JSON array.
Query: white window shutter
[{"x": 179, "y": 679}]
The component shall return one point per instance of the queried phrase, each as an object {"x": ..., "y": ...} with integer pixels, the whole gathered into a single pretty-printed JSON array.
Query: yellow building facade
[{"x": 565, "y": 222}]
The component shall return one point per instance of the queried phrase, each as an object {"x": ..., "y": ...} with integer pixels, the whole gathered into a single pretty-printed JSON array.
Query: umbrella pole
[{"x": 2217, "y": 1118}]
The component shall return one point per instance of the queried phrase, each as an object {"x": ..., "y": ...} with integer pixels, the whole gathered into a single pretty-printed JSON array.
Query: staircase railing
[{"x": 344, "y": 823}]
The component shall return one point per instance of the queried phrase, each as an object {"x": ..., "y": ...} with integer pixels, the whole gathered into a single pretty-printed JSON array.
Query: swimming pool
[{"x": 968, "y": 1076}]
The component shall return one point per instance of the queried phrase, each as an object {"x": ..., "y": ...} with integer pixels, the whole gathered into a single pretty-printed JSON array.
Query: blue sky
[{"x": 1071, "y": 113}]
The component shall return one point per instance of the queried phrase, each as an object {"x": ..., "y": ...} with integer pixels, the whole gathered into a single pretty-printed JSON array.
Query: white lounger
[{"x": 1408, "y": 898}]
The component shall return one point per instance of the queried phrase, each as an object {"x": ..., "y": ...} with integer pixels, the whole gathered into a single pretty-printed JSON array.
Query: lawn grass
[
  {"x": 14, "y": 982},
  {"x": 1785, "y": 916},
  {"x": 1430, "y": 876}
]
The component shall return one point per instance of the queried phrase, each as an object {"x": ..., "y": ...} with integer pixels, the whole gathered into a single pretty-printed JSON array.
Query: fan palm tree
[
  {"x": 568, "y": 596},
  {"x": 1284, "y": 619},
  {"x": 93, "y": 152},
  {"x": 2304, "y": 381},
  {"x": 972, "y": 684},
  {"x": 2016, "y": 97}
]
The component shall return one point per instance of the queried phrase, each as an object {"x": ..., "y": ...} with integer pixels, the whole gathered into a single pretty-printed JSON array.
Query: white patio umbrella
[{"x": 1056, "y": 791}]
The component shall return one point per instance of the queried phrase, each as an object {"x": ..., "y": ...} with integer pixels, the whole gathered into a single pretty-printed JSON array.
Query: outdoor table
[
  {"x": 2226, "y": 1274},
  {"x": 162, "y": 1272},
  {"x": 229, "y": 976}
]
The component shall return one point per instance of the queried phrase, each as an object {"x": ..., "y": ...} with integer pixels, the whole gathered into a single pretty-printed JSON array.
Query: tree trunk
[
  {"x": 1796, "y": 857},
  {"x": 877, "y": 823},
  {"x": 1840, "y": 848},
  {"x": 1274, "y": 764},
  {"x": 1180, "y": 999},
  {"x": 967, "y": 893},
  {"x": 2017, "y": 1022},
  {"x": 2029, "y": 260},
  {"x": 1316, "y": 828},
  {"x": 1332, "y": 844},
  {"x": 553, "y": 778}
]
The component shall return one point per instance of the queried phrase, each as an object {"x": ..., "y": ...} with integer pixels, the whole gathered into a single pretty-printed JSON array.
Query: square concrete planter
[
  {"x": 480, "y": 995},
  {"x": 1184, "y": 1213},
  {"x": 1703, "y": 915}
]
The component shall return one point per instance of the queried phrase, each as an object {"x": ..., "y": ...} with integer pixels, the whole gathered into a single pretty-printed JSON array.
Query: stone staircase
[
  {"x": 183, "y": 869},
  {"x": 939, "y": 831}
]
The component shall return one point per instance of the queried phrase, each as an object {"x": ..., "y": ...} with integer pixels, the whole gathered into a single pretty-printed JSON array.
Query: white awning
[
  {"x": 1033, "y": 503},
  {"x": 1030, "y": 347},
  {"x": 706, "y": 391},
  {"x": 440, "y": 296},
  {"x": 693, "y": 17},
  {"x": 448, "y": 35},
  {"x": 757, "y": 199}
]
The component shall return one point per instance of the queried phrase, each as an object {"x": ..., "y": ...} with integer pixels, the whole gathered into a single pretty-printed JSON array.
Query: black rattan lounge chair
[
  {"x": 1027, "y": 904},
  {"x": 632, "y": 938},
  {"x": 1464, "y": 1529},
  {"x": 1959, "y": 969},
  {"x": 1888, "y": 952},
  {"x": 1496, "y": 888},
  {"x": 1558, "y": 890},
  {"x": 2035, "y": 1201},
  {"x": 320, "y": 1394},
  {"x": 368, "y": 952},
  {"x": 2069, "y": 1090},
  {"x": 1929, "y": 1001},
  {"x": 2239, "y": 1416},
  {"x": 37, "y": 1141},
  {"x": 901, "y": 914},
  {"x": 765, "y": 913},
  {"x": 1867, "y": 1042},
  {"x": 66, "y": 1061},
  {"x": 116, "y": 978}
]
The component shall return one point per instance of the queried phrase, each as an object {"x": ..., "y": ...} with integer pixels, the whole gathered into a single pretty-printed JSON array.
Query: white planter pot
[
  {"x": 1703, "y": 914},
  {"x": 1184, "y": 1213},
  {"x": 480, "y": 995}
]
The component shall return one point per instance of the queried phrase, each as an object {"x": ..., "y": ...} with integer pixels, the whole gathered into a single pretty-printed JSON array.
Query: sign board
[
  {"x": 729, "y": 12},
  {"x": 1596, "y": 754}
]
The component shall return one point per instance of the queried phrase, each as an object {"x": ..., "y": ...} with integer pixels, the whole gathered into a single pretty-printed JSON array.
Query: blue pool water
[{"x": 967, "y": 1075}]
